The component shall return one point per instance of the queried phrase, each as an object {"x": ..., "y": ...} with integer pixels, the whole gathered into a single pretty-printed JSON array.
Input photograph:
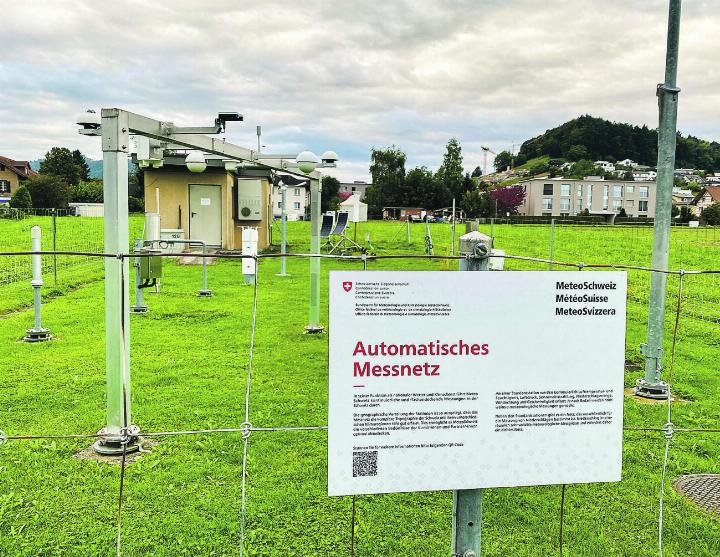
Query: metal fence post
[
  {"x": 651, "y": 385},
  {"x": 283, "y": 230},
  {"x": 407, "y": 230},
  {"x": 54, "y": 244},
  {"x": 314, "y": 325},
  {"x": 37, "y": 333},
  {"x": 467, "y": 503},
  {"x": 452, "y": 249}
]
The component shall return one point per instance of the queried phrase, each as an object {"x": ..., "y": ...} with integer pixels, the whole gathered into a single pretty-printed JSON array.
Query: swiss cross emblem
[{"x": 347, "y": 286}]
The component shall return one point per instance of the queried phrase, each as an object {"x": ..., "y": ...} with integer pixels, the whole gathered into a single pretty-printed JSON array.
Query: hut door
[{"x": 206, "y": 214}]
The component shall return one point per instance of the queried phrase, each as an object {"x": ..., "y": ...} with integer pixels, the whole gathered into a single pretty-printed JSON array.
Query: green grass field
[{"x": 189, "y": 362}]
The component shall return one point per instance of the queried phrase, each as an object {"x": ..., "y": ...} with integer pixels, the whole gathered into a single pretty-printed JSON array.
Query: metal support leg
[
  {"x": 651, "y": 386},
  {"x": 117, "y": 295},
  {"x": 205, "y": 292}
]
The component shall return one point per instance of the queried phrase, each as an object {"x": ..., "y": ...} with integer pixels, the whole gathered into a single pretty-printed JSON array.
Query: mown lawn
[{"x": 189, "y": 361}]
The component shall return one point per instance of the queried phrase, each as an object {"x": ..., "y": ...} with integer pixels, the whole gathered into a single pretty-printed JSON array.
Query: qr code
[{"x": 365, "y": 463}]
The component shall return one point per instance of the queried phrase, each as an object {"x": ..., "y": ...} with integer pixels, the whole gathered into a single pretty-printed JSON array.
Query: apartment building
[
  {"x": 555, "y": 197},
  {"x": 297, "y": 200}
]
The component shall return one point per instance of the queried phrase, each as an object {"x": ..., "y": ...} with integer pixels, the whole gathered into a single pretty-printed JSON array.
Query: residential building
[
  {"x": 552, "y": 197},
  {"x": 404, "y": 213},
  {"x": 712, "y": 178},
  {"x": 12, "y": 174},
  {"x": 628, "y": 162},
  {"x": 606, "y": 166},
  {"x": 353, "y": 187},
  {"x": 705, "y": 197},
  {"x": 681, "y": 197},
  {"x": 644, "y": 175},
  {"x": 297, "y": 199}
]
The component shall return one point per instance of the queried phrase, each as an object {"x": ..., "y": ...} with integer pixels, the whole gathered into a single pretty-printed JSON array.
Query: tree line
[
  {"x": 393, "y": 186},
  {"x": 593, "y": 138},
  {"x": 64, "y": 177}
]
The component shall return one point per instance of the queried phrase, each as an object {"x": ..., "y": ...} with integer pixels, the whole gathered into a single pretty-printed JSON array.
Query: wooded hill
[{"x": 592, "y": 138}]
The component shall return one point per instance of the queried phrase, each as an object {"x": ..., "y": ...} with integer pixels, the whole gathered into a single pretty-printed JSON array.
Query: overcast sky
[{"x": 348, "y": 75}]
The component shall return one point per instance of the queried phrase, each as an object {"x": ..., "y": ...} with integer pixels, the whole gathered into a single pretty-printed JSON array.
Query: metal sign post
[{"x": 651, "y": 386}]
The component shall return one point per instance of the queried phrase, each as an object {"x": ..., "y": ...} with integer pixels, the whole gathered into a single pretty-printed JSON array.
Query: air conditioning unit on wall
[{"x": 249, "y": 199}]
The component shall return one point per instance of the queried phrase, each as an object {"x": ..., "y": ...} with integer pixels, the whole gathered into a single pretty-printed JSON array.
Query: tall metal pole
[
  {"x": 283, "y": 230},
  {"x": 54, "y": 238},
  {"x": 314, "y": 325},
  {"x": 117, "y": 294},
  {"x": 467, "y": 503},
  {"x": 452, "y": 250},
  {"x": 38, "y": 333},
  {"x": 651, "y": 386}
]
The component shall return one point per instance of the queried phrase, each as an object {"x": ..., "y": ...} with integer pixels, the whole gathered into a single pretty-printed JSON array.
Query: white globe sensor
[
  {"x": 329, "y": 157},
  {"x": 307, "y": 161},
  {"x": 195, "y": 161},
  {"x": 88, "y": 119}
]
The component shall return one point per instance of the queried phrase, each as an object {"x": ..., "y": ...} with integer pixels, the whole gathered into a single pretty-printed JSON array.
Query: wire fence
[
  {"x": 61, "y": 231},
  {"x": 247, "y": 429}
]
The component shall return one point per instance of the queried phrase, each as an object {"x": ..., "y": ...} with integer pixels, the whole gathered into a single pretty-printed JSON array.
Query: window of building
[
  {"x": 297, "y": 192},
  {"x": 617, "y": 204},
  {"x": 630, "y": 204},
  {"x": 606, "y": 192},
  {"x": 642, "y": 206},
  {"x": 629, "y": 189},
  {"x": 617, "y": 191},
  {"x": 4, "y": 186},
  {"x": 296, "y": 205},
  {"x": 588, "y": 196},
  {"x": 564, "y": 204},
  {"x": 279, "y": 204},
  {"x": 565, "y": 189},
  {"x": 547, "y": 203},
  {"x": 547, "y": 189},
  {"x": 643, "y": 191}
]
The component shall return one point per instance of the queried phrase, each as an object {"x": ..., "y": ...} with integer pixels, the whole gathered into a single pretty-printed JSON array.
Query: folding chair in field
[
  {"x": 337, "y": 239},
  {"x": 326, "y": 228}
]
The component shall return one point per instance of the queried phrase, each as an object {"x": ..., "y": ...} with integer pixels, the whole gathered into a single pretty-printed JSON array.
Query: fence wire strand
[{"x": 247, "y": 428}]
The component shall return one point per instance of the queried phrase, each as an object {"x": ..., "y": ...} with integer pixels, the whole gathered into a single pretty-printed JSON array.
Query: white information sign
[
  {"x": 461, "y": 380},
  {"x": 205, "y": 201}
]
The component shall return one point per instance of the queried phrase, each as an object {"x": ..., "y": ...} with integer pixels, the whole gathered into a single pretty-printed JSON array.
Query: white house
[
  {"x": 358, "y": 186},
  {"x": 357, "y": 209},
  {"x": 644, "y": 175},
  {"x": 296, "y": 198},
  {"x": 606, "y": 166},
  {"x": 628, "y": 162},
  {"x": 712, "y": 178}
]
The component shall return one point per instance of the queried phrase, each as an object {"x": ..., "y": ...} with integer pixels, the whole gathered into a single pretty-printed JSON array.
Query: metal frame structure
[{"x": 115, "y": 127}]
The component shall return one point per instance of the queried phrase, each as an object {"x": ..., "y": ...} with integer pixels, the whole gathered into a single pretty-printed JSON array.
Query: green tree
[
  {"x": 136, "y": 182},
  {"x": 685, "y": 215},
  {"x": 477, "y": 204},
  {"x": 48, "y": 191},
  {"x": 502, "y": 160},
  {"x": 83, "y": 168},
  {"x": 87, "y": 192},
  {"x": 59, "y": 161},
  {"x": 711, "y": 215},
  {"x": 420, "y": 186},
  {"x": 577, "y": 152},
  {"x": 329, "y": 199},
  {"x": 21, "y": 199},
  {"x": 628, "y": 176},
  {"x": 451, "y": 173},
  {"x": 477, "y": 172},
  {"x": 387, "y": 169}
]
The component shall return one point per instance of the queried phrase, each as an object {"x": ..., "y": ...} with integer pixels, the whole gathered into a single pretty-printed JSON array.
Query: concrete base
[
  {"x": 113, "y": 447},
  {"x": 655, "y": 391},
  {"x": 204, "y": 293},
  {"x": 314, "y": 329},
  {"x": 139, "y": 309},
  {"x": 37, "y": 335}
]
